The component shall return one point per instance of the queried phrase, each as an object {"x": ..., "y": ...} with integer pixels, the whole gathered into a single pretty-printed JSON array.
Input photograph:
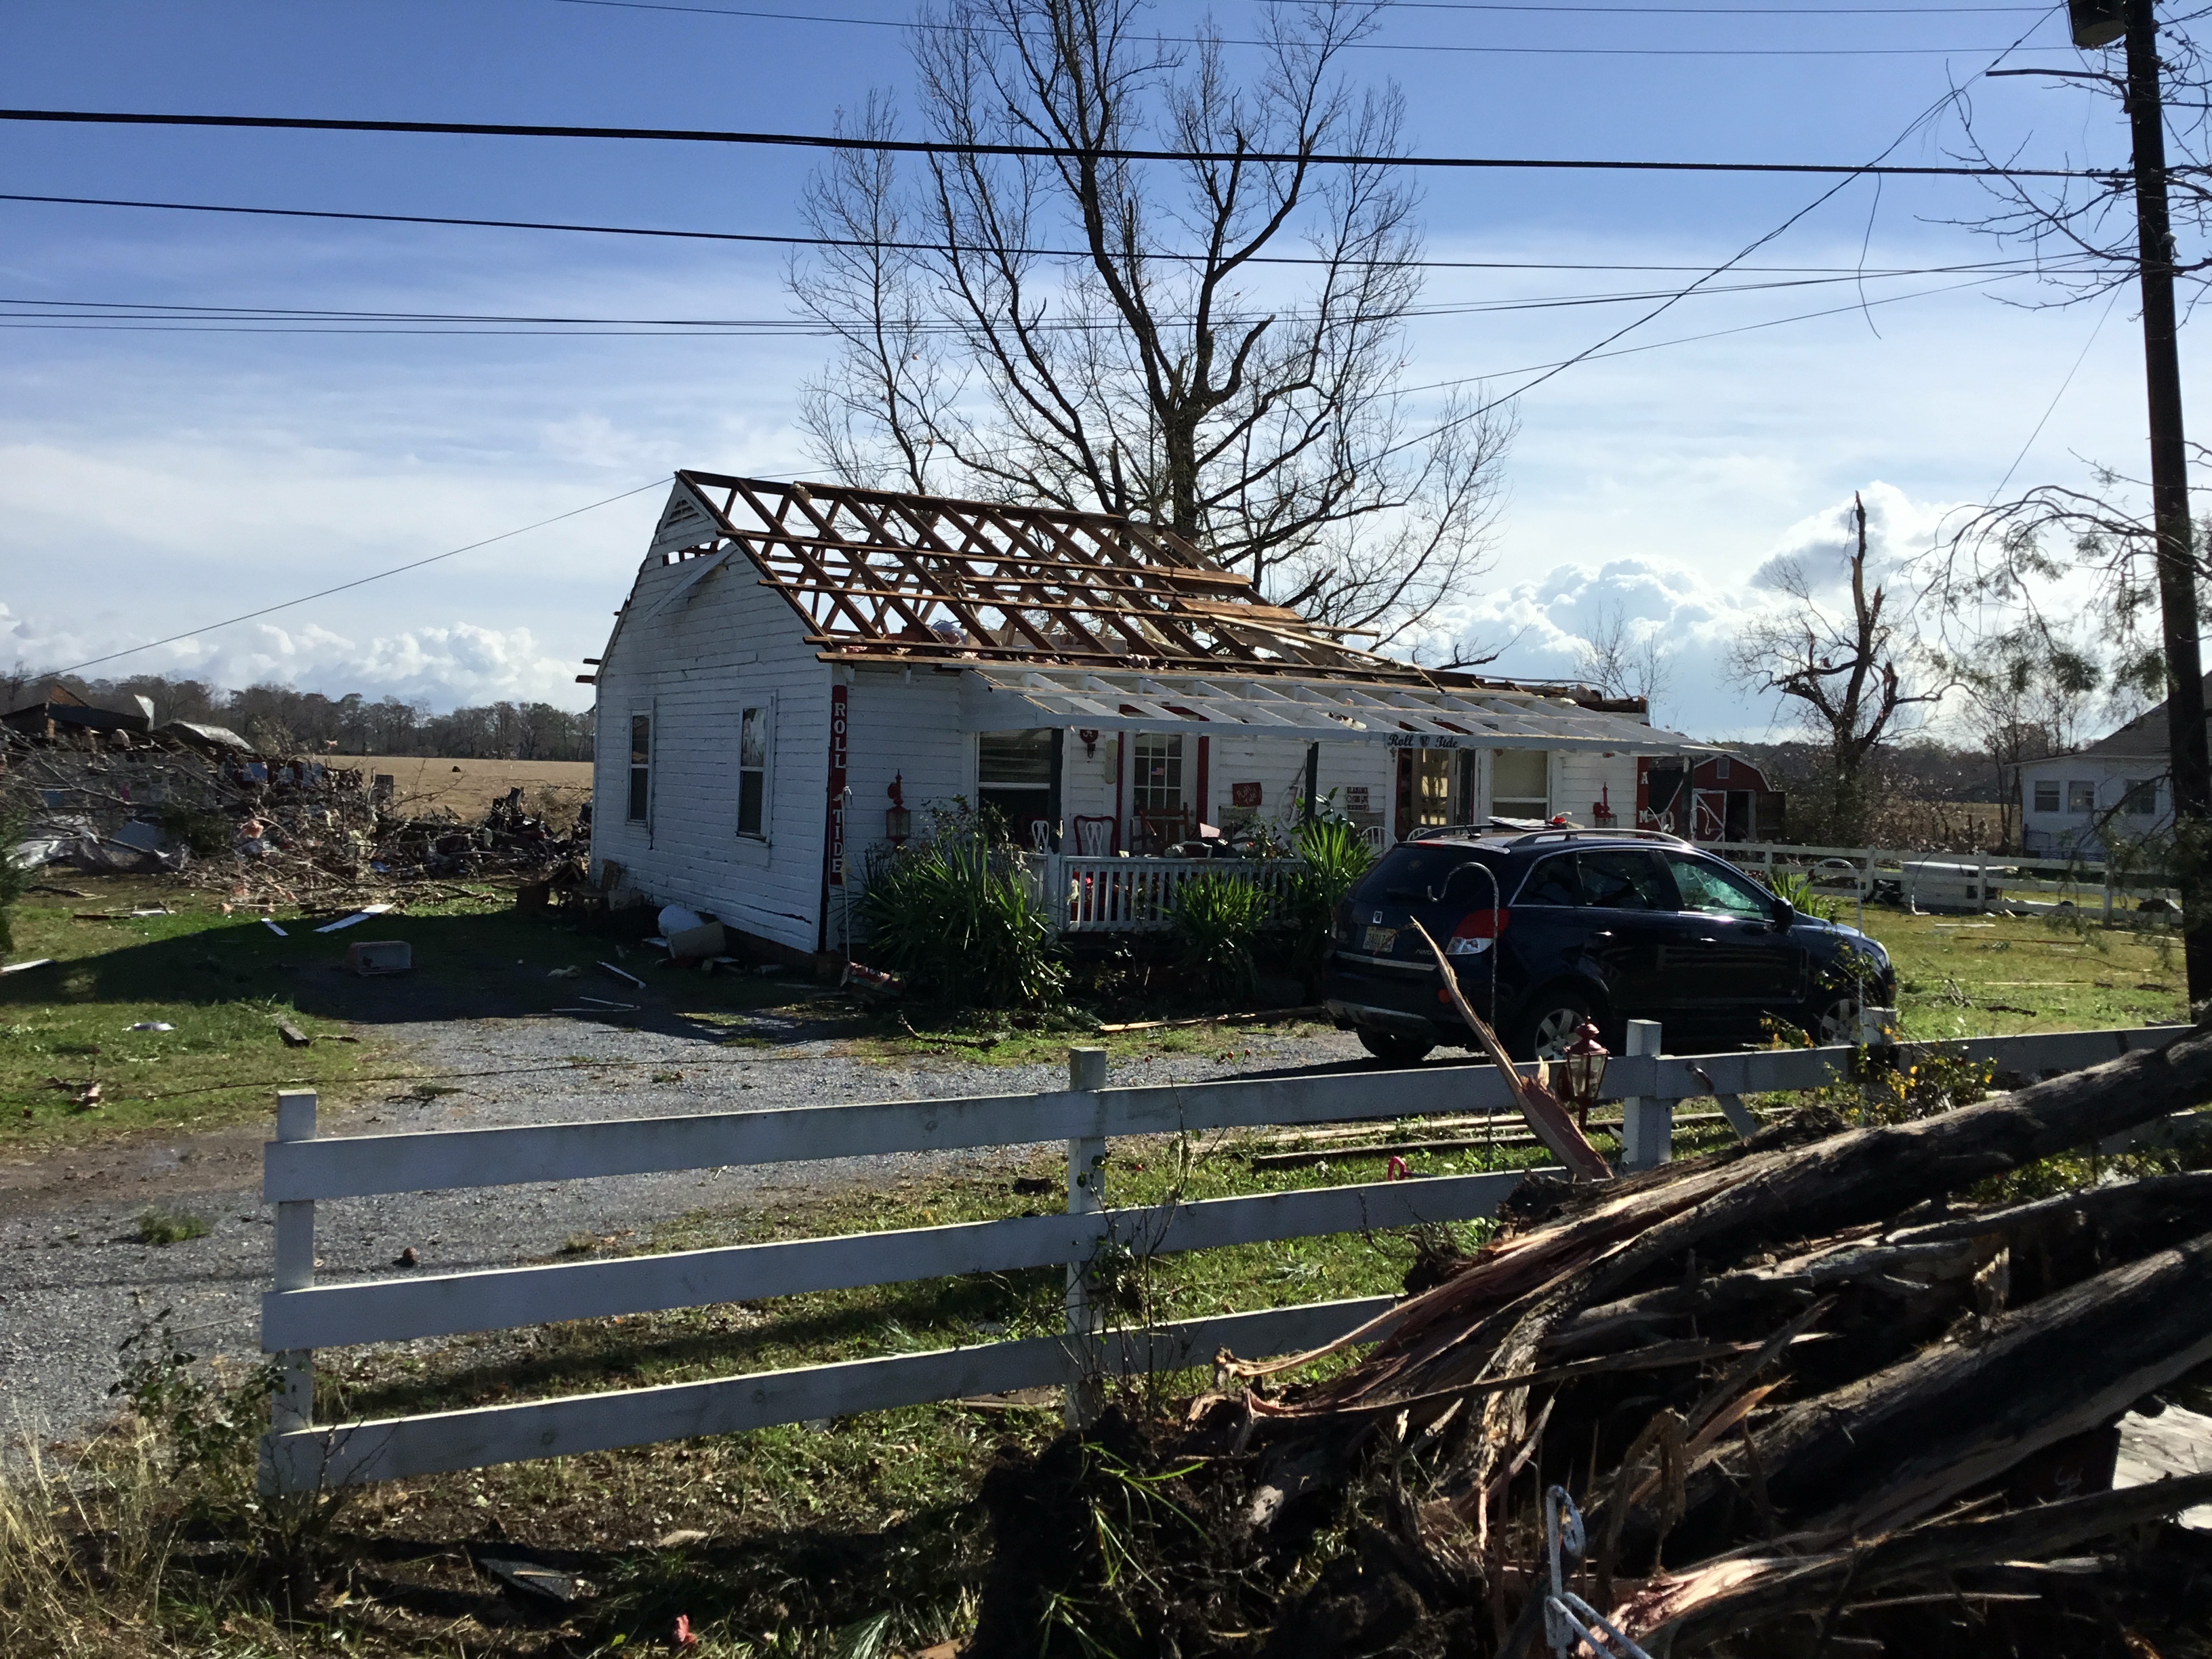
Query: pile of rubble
[
  {"x": 1833, "y": 1391},
  {"x": 199, "y": 803}
]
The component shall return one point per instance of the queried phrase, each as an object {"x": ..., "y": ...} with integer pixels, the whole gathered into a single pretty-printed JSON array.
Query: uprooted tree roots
[{"x": 1807, "y": 1396}]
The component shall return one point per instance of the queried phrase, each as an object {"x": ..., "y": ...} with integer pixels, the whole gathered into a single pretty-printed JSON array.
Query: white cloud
[
  {"x": 444, "y": 666},
  {"x": 1690, "y": 615}
]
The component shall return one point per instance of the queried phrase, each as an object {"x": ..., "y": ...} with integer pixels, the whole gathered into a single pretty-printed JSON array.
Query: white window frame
[
  {"x": 2035, "y": 789},
  {"x": 629, "y": 741},
  {"x": 766, "y": 832}
]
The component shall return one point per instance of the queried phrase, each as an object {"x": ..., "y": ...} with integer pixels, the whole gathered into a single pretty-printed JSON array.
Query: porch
[{"x": 1136, "y": 895}]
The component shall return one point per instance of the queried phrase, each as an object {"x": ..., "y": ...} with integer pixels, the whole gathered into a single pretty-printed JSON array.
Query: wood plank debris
[{"x": 1826, "y": 1389}]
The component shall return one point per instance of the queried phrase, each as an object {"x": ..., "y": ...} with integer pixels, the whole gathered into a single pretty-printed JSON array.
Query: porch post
[{"x": 1312, "y": 781}]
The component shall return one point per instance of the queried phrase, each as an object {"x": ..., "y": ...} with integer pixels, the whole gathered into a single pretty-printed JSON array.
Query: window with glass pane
[
  {"x": 641, "y": 762},
  {"x": 2142, "y": 799},
  {"x": 1625, "y": 881},
  {"x": 2046, "y": 795},
  {"x": 1715, "y": 892},
  {"x": 752, "y": 773},
  {"x": 1521, "y": 784},
  {"x": 1157, "y": 774},
  {"x": 2081, "y": 797}
]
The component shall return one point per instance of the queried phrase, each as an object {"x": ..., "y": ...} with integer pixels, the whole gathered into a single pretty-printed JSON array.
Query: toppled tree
[
  {"x": 1812, "y": 1394},
  {"x": 1846, "y": 677},
  {"x": 1212, "y": 342}
]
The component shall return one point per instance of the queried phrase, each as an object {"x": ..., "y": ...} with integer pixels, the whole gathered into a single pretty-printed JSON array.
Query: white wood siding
[{"x": 697, "y": 648}]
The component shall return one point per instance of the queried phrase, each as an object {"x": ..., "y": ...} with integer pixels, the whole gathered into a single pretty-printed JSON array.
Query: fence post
[
  {"x": 292, "y": 1406},
  {"x": 1086, "y": 1196},
  {"x": 1647, "y": 1122}
]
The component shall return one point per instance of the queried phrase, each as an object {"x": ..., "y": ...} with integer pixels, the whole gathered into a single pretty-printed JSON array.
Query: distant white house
[
  {"x": 800, "y": 668},
  {"x": 2115, "y": 787}
]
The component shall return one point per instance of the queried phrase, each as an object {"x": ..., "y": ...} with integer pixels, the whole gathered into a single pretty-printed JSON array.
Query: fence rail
[
  {"x": 300, "y": 1169},
  {"x": 1132, "y": 894},
  {"x": 1855, "y": 870}
]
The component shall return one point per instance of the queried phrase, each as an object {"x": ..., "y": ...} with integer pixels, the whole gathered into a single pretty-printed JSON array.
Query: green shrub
[
  {"x": 160, "y": 1226},
  {"x": 956, "y": 920},
  {"x": 1218, "y": 920},
  {"x": 1797, "y": 887},
  {"x": 1337, "y": 859},
  {"x": 15, "y": 880}
]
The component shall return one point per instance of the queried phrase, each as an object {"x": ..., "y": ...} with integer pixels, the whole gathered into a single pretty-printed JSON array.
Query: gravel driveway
[{"x": 75, "y": 1280}]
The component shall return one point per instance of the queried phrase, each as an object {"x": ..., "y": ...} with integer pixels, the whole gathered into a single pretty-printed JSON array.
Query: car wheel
[
  {"x": 1395, "y": 1050},
  {"x": 1548, "y": 1025},
  {"x": 1835, "y": 1022}
]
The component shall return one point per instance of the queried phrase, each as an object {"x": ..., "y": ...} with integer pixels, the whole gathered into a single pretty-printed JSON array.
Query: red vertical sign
[{"x": 837, "y": 736}]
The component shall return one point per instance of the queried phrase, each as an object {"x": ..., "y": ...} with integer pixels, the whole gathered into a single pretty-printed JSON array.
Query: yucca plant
[
  {"x": 1805, "y": 898},
  {"x": 961, "y": 926},
  {"x": 1337, "y": 859},
  {"x": 1218, "y": 920}
]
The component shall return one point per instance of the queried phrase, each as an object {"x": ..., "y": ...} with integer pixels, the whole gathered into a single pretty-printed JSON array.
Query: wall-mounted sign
[{"x": 1244, "y": 794}]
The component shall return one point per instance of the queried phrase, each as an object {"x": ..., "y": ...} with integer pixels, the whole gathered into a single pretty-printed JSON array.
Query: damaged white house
[{"x": 801, "y": 672}]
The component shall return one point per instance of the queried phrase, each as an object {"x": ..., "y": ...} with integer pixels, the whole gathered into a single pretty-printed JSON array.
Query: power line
[
  {"x": 888, "y": 245},
  {"x": 930, "y": 146},
  {"x": 361, "y": 582},
  {"x": 127, "y": 312},
  {"x": 1549, "y": 371},
  {"x": 1351, "y": 45},
  {"x": 1699, "y": 11}
]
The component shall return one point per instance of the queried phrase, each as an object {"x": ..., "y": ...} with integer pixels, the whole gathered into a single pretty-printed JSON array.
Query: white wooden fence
[
  {"x": 1135, "y": 895},
  {"x": 300, "y": 1170},
  {"x": 1855, "y": 870}
]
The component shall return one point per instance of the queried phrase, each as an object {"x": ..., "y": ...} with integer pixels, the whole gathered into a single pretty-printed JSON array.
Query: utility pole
[{"x": 2189, "y": 757}]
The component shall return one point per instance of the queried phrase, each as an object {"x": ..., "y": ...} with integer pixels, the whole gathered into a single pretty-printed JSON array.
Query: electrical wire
[
  {"x": 888, "y": 245},
  {"x": 931, "y": 146},
  {"x": 120, "y": 313},
  {"x": 362, "y": 581},
  {"x": 1828, "y": 195},
  {"x": 1424, "y": 46}
]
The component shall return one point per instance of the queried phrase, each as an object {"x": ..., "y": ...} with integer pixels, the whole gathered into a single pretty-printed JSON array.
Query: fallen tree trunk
[
  {"x": 1472, "y": 1321},
  {"x": 1743, "y": 1593},
  {"x": 1881, "y": 1453}
]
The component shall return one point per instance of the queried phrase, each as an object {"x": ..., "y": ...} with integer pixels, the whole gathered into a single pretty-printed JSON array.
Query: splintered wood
[{"x": 1805, "y": 1391}]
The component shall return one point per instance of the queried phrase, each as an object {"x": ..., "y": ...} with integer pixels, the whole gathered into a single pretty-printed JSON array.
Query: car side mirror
[{"x": 1784, "y": 913}]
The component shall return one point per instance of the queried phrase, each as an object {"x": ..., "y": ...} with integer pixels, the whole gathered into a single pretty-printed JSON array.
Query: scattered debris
[
  {"x": 407, "y": 1258},
  {"x": 274, "y": 928},
  {"x": 1824, "y": 1390},
  {"x": 371, "y": 956},
  {"x": 532, "y": 1580},
  {"x": 565, "y": 973},
  {"x": 623, "y": 975},
  {"x": 151, "y": 1025},
  {"x": 1255, "y": 1017},
  {"x": 26, "y": 967},
  {"x": 362, "y": 914},
  {"x": 293, "y": 1036}
]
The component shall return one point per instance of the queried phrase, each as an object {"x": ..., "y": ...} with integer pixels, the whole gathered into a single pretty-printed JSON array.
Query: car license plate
[{"x": 1380, "y": 940}]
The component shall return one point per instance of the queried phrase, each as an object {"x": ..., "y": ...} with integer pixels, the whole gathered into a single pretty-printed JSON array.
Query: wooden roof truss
[{"x": 879, "y": 575}]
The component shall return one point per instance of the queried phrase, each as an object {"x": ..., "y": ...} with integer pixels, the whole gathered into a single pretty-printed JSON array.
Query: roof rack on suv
[
  {"x": 1519, "y": 832},
  {"x": 1575, "y": 831}
]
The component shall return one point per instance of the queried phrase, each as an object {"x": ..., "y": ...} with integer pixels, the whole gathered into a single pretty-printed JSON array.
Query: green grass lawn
[{"x": 1995, "y": 975}]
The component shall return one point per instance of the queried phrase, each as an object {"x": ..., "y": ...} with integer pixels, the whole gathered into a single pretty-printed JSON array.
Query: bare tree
[
  {"x": 1216, "y": 346},
  {"x": 2024, "y": 694},
  {"x": 1621, "y": 662},
  {"x": 1845, "y": 676}
]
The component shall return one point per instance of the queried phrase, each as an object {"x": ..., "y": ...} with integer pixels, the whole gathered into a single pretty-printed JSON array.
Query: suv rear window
[{"x": 1411, "y": 871}]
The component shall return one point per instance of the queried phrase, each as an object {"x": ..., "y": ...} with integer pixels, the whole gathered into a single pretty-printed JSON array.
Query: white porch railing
[{"x": 1135, "y": 896}]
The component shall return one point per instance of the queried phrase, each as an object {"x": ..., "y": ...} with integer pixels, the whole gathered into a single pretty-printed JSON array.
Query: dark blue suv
[{"x": 1546, "y": 928}]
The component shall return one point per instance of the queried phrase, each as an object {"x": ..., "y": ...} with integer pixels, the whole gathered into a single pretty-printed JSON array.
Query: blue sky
[{"x": 151, "y": 481}]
